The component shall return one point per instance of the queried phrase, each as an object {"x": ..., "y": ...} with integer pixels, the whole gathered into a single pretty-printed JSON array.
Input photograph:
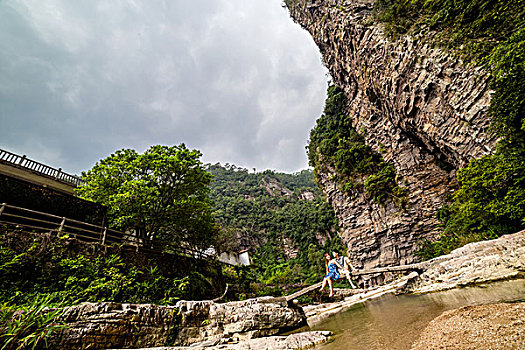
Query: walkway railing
[
  {"x": 83, "y": 231},
  {"x": 39, "y": 168}
]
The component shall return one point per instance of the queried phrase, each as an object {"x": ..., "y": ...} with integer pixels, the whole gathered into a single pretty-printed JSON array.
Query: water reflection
[{"x": 395, "y": 322}]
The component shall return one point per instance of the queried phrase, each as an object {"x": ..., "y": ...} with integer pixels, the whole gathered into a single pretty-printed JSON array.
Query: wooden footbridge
[{"x": 401, "y": 268}]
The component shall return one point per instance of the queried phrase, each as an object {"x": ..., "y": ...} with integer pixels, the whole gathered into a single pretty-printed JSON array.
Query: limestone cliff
[{"x": 421, "y": 108}]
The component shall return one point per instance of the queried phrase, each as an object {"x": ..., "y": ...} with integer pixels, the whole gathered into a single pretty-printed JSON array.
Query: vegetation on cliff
[
  {"x": 334, "y": 143},
  {"x": 283, "y": 217},
  {"x": 491, "y": 33}
]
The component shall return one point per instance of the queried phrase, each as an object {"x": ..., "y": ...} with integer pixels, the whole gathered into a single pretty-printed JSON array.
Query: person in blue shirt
[{"x": 332, "y": 273}]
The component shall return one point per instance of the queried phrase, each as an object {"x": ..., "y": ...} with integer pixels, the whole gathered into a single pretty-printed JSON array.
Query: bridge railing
[
  {"x": 86, "y": 232},
  {"x": 42, "y": 169}
]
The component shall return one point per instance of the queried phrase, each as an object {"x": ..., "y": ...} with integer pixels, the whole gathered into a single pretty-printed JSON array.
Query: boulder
[{"x": 114, "y": 325}]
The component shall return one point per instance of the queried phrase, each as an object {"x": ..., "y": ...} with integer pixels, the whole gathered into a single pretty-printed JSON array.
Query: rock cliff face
[{"x": 421, "y": 108}]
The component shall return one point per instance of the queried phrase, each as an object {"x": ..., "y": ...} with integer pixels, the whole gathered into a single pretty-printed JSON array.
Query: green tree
[{"x": 161, "y": 194}]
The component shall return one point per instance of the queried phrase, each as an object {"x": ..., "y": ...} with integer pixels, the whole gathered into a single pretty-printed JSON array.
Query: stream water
[{"x": 395, "y": 322}]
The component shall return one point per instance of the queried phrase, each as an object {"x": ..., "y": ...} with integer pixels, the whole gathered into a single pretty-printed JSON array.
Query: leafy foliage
[
  {"x": 471, "y": 28},
  {"x": 32, "y": 265},
  {"x": 507, "y": 62},
  {"x": 489, "y": 203},
  {"x": 267, "y": 209},
  {"x": 335, "y": 143},
  {"x": 491, "y": 200},
  {"x": 28, "y": 326},
  {"x": 161, "y": 194}
]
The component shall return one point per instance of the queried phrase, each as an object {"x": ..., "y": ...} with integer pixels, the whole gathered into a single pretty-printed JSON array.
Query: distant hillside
[{"x": 280, "y": 216}]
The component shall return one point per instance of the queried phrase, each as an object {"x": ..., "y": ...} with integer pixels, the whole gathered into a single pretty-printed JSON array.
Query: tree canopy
[{"x": 161, "y": 194}]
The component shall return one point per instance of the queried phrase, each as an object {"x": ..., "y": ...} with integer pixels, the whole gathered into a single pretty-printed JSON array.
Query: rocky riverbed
[
  {"x": 474, "y": 263},
  {"x": 106, "y": 325},
  {"x": 495, "y": 326}
]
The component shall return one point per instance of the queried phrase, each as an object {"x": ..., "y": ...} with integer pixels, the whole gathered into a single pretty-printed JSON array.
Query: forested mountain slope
[{"x": 283, "y": 218}]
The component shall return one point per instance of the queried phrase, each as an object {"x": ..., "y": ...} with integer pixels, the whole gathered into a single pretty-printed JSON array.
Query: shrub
[
  {"x": 28, "y": 326},
  {"x": 335, "y": 143}
]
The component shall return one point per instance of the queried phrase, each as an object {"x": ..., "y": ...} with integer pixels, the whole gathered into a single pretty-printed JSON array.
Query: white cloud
[{"x": 236, "y": 79}]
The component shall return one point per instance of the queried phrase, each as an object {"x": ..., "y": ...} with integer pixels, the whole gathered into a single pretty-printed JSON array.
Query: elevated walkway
[{"x": 25, "y": 169}]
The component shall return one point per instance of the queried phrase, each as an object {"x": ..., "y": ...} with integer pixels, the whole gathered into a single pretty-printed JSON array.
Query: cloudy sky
[{"x": 236, "y": 79}]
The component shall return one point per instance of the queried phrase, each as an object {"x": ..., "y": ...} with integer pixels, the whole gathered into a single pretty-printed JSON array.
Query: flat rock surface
[
  {"x": 474, "y": 263},
  {"x": 302, "y": 340},
  {"x": 494, "y": 326}
]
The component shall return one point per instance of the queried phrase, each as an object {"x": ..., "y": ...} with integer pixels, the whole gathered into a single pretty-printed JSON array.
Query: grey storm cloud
[{"x": 236, "y": 79}]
